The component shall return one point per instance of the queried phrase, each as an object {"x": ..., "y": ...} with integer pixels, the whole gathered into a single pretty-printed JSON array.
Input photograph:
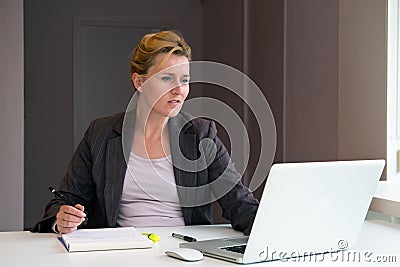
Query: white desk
[{"x": 32, "y": 249}]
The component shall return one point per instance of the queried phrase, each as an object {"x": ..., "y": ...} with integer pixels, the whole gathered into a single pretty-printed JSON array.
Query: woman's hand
[{"x": 69, "y": 218}]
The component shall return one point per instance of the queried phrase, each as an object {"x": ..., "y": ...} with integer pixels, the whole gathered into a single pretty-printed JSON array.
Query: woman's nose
[{"x": 177, "y": 89}]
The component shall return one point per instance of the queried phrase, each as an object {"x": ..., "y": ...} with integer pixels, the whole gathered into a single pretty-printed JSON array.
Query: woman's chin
[{"x": 174, "y": 112}]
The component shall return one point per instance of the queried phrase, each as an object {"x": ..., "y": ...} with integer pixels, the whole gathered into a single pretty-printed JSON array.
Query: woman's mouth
[{"x": 174, "y": 102}]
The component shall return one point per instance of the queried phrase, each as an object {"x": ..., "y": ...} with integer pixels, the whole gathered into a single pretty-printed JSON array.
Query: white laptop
[{"x": 306, "y": 208}]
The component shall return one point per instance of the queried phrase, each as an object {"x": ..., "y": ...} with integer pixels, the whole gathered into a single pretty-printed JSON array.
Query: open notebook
[{"x": 104, "y": 239}]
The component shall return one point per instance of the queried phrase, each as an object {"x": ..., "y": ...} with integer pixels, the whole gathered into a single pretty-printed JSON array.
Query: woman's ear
[{"x": 137, "y": 82}]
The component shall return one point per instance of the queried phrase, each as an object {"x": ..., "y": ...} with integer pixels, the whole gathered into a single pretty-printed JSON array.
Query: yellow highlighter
[{"x": 152, "y": 236}]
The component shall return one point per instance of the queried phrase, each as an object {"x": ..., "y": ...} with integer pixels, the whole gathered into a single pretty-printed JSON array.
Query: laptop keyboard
[{"x": 238, "y": 249}]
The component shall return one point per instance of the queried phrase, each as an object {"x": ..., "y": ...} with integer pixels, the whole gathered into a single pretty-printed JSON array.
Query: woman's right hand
[{"x": 69, "y": 218}]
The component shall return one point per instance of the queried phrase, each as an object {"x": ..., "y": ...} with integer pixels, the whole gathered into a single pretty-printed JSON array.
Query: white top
[{"x": 149, "y": 196}]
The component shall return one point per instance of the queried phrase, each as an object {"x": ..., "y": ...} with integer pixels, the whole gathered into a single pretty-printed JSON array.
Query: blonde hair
[{"x": 168, "y": 42}]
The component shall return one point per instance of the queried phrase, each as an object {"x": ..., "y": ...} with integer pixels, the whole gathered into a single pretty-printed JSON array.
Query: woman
[{"x": 153, "y": 182}]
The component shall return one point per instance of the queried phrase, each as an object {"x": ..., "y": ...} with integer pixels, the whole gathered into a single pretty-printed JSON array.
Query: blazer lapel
[
  {"x": 184, "y": 153},
  {"x": 116, "y": 166}
]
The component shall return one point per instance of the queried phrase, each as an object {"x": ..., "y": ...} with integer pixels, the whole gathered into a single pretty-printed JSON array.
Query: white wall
[
  {"x": 362, "y": 79},
  {"x": 11, "y": 115}
]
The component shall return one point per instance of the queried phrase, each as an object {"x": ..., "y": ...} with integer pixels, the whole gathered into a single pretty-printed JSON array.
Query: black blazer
[{"x": 202, "y": 168}]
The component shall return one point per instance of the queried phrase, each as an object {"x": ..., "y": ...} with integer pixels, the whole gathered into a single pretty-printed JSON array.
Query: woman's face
[{"x": 165, "y": 91}]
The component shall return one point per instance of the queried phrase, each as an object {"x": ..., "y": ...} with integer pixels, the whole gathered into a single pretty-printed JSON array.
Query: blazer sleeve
[
  {"x": 238, "y": 203},
  {"x": 77, "y": 185}
]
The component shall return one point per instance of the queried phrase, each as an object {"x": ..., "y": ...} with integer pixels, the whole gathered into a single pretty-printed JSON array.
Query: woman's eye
[
  {"x": 166, "y": 79},
  {"x": 185, "y": 81}
]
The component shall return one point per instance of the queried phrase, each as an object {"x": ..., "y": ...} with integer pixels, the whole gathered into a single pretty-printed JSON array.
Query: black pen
[
  {"x": 62, "y": 197},
  {"x": 184, "y": 237}
]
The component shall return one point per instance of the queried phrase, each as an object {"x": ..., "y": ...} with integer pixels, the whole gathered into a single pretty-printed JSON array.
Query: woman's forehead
[{"x": 175, "y": 64}]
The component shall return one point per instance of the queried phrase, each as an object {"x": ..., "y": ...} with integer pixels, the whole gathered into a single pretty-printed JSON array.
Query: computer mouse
[{"x": 186, "y": 254}]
